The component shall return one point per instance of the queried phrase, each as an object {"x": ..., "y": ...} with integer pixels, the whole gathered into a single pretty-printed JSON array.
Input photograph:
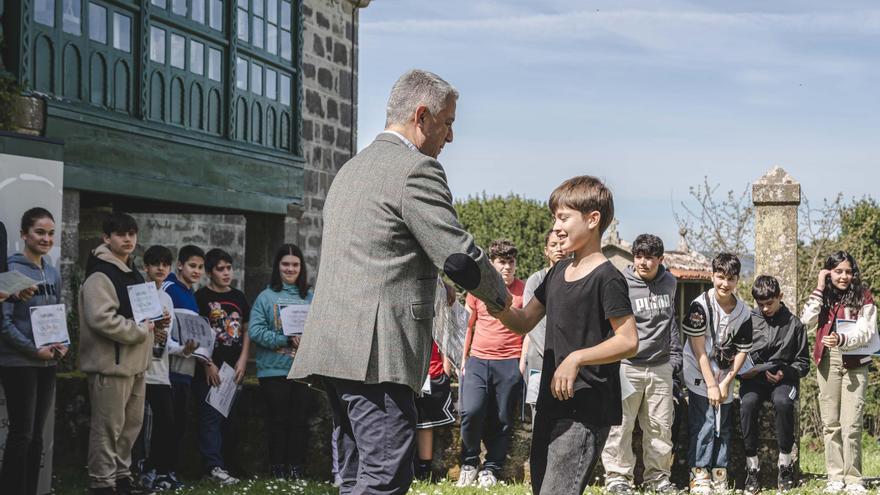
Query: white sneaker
[
  {"x": 219, "y": 475},
  {"x": 701, "y": 482},
  {"x": 486, "y": 479},
  {"x": 467, "y": 477},
  {"x": 855, "y": 489},
  {"x": 719, "y": 481},
  {"x": 834, "y": 487}
]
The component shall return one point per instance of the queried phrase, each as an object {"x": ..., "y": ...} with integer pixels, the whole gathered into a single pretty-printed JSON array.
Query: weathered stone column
[{"x": 777, "y": 196}]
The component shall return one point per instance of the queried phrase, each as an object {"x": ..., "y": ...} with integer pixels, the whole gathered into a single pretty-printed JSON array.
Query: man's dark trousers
[{"x": 375, "y": 430}]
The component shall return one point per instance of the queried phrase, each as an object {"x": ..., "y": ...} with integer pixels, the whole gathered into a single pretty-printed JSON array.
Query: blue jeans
[
  {"x": 490, "y": 391},
  {"x": 706, "y": 450},
  {"x": 215, "y": 433},
  {"x": 564, "y": 454}
]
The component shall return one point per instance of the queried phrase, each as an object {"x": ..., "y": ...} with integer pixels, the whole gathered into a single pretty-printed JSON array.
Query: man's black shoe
[{"x": 786, "y": 479}]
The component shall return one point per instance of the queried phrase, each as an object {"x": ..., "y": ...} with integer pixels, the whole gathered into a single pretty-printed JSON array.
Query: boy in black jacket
[{"x": 779, "y": 358}]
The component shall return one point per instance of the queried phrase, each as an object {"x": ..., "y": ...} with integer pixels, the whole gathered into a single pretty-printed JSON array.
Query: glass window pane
[
  {"x": 271, "y": 38},
  {"x": 272, "y": 11},
  {"x": 242, "y": 25},
  {"x": 257, "y": 33},
  {"x": 215, "y": 64},
  {"x": 285, "y": 14},
  {"x": 71, "y": 17},
  {"x": 198, "y": 11},
  {"x": 286, "y": 52},
  {"x": 44, "y": 12},
  {"x": 243, "y": 4},
  {"x": 159, "y": 3},
  {"x": 178, "y": 51},
  {"x": 256, "y": 79},
  {"x": 284, "y": 90},
  {"x": 196, "y": 57},
  {"x": 178, "y": 7},
  {"x": 121, "y": 32},
  {"x": 241, "y": 75},
  {"x": 271, "y": 81},
  {"x": 217, "y": 15},
  {"x": 257, "y": 7},
  {"x": 157, "y": 45},
  {"x": 97, "y": 23}
]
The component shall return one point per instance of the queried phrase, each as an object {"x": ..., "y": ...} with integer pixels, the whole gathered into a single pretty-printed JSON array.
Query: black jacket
[{"x": 780, "y": 339}]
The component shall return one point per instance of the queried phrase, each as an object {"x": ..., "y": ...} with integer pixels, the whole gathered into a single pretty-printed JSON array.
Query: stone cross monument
[{"x": 777, "y": 196}]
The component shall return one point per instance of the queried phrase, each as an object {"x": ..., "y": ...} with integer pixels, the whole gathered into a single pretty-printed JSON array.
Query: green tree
[{"x": 521, "y": 220}]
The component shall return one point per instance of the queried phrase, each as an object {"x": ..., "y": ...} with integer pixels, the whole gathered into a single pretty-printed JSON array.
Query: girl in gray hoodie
[{"x": 27, "y": 372}]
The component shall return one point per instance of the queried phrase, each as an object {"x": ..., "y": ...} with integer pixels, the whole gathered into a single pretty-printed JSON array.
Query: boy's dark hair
[
  {"x": 302, "y": 280},
  {"x": 188, "y": 251},
  {"x": 585, "y": 194},
  {"x": 119, "y": 223},
  {"x": 765, "y": 287},
  {"x": 648, "y": 245},
  {"x": 30, "y": 217},
  {"x": 502, "y": 248},
  {"x": 726, "y": 263},
  {"x": 156, "y": 255},
  {"x": 215, "y": 256}
]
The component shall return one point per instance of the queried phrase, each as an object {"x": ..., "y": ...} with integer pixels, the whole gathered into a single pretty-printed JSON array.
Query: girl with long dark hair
[
  {"x": 841, "y": 311},
  {"x": 287, "y": 402}
]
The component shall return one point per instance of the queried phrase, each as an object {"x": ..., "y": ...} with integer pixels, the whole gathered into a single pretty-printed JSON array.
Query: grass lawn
[{"x": 74, "y": 482}]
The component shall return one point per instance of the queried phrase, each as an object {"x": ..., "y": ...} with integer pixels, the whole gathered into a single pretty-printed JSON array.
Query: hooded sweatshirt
[
  {"x": 16, "y": 336},
  {"x": 780, "y": 339},
  {"x": 111, "y": 343},
  {"x": 653, "y": 305},
  {"x": 274, "y": 356}
]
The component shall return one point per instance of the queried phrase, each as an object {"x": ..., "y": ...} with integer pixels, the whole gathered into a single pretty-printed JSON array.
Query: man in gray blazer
[{"x": 389, "y": 224}]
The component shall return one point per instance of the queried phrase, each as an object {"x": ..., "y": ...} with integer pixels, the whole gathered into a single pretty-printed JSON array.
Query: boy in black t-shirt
[
  {"x": 227, "y": 310},
  {"x": 590, "y": 328}
]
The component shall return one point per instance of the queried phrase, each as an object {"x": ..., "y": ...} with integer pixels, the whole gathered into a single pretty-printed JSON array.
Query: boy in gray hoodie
[{"x": 650, "y": 372}]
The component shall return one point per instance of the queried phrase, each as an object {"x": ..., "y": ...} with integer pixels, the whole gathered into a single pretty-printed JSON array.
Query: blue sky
[{"x": 649, "y": 96}]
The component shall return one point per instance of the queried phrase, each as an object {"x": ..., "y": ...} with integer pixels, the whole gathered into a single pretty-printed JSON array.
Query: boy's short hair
[
  {"x": 156, "y": 255},
  {"x": 726, "y": 263},
  {"x": 188, "y": 251},
  {"x": 585, "y": 194},
  {"x": 119, "y": 223},
  {"x": 765, "y": 287},
  {"x": 648, "y": 245},
  {"x": 502, "y": 248},
  {"x": 215, "y": 256}
]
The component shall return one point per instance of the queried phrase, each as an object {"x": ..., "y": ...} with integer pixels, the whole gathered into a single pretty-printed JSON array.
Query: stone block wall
[{"x": 329, "y": 108}]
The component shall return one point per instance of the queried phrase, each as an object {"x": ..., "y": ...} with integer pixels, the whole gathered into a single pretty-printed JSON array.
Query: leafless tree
[{"x": 718, "y": 222}]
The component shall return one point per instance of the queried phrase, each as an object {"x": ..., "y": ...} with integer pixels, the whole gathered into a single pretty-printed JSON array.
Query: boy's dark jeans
[
  {"x": 753, "y": 394},
  {"x": 564, "y": 454},
  {"x": 30, "y": 399},
  {"x": 180, "y": 393},
  {"x": 162, "y": 440},
  {"x": 216, "y": 433},
  {"x": 490, "y": 390}
]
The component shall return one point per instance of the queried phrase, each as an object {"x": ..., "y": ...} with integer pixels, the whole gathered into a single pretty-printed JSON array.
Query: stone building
[{"x": 219, "y": 123}]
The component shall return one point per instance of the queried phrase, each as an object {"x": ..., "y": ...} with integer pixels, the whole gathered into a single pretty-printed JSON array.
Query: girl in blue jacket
[
  {"x": 288, "y": 402},
  {"x": 27, "y": 372}
]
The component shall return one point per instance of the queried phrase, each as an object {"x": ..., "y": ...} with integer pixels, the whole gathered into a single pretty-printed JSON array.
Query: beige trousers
[
  {"x": 842, "y": 404},
  {"x": 117, "y": 414},
  {"x": 653, "y": 406}
]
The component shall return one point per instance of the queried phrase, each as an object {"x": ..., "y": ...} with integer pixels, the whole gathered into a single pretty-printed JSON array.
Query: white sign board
[
  {"x": 222, "y": 396},
  {"x": 49, "y": 325},
  {"x": 145, "y": 304},
  {"x": 293, "y": 318}
]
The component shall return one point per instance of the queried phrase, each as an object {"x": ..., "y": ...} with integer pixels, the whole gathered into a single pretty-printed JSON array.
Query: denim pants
[
  {"x": 216, "y": 433},
  {"x": 490, "y": 391},
  {"x": 564, "y": 454},
  {"x": 706, "y": 449},
  {"x": 30, "y": 399}
]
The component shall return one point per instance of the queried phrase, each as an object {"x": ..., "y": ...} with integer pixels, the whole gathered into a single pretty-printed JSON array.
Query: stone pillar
[
  {"x": 777, "y": 196},
  {"x": 71, "y": 273}
]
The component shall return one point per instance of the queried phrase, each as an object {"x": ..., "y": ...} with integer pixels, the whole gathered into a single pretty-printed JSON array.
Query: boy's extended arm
[
  {"x": 522, "y": 321},
  {"x": 728, "y": 379},
  {"x": 698, "y": 345}
]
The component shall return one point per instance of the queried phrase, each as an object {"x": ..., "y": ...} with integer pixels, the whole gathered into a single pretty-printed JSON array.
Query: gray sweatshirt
[
  {"x": 16, "y": 337},
  {"x": 653, "y": 305}
]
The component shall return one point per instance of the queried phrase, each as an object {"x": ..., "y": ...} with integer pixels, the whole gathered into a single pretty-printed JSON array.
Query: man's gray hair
[{"x": 417, "y": 87}]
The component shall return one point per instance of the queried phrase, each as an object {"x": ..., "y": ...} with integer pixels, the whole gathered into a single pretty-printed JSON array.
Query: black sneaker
[
  {"x": 124, "y": 486},
  {"x": 278, "y": 471},
  {"x": 753, "y": 484},
  {"x": 786, "y": 478},
  {"x": 295, "y": 473}
]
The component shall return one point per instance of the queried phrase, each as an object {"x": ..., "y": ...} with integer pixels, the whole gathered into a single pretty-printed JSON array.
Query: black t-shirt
[
  {"x": 577, "y": 318},
  {"x": 227, "y": 312}
]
